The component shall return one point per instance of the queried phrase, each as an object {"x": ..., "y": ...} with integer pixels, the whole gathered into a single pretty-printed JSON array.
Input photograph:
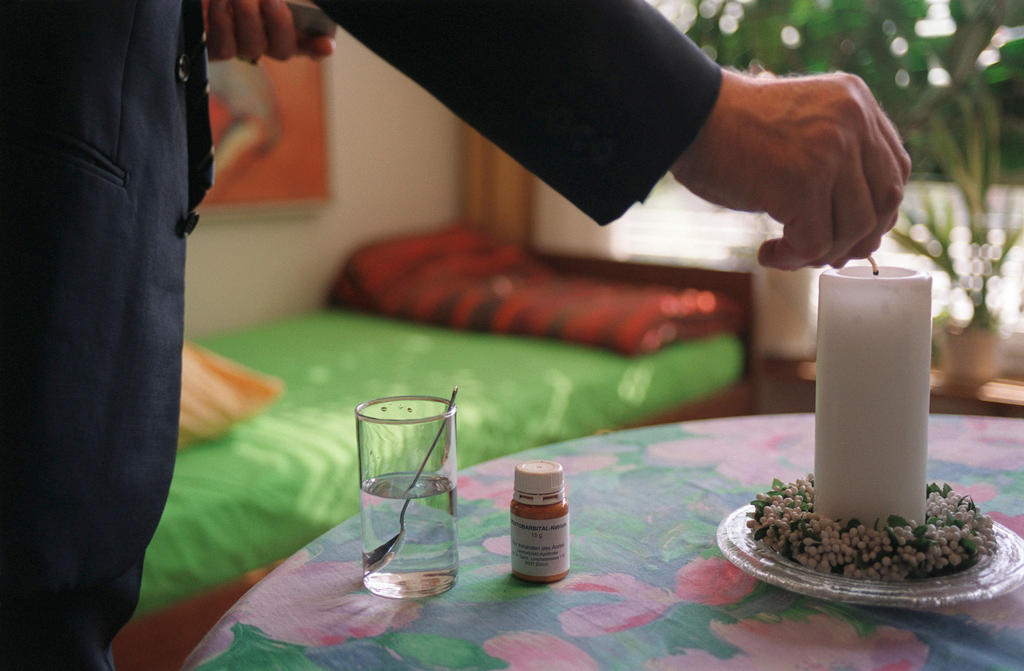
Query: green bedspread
[{"x": 284, "y": 477}]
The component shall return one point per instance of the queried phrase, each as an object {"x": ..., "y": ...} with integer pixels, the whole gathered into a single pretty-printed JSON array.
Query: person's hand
[
  {"x": 249, "y": 29},
  {"x": 816, "y": 153}
]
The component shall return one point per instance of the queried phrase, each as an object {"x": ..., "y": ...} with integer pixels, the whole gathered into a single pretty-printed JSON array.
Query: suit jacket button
[
  {"x": 184, "y": 68},
  {"x": 187, "y": 224}
]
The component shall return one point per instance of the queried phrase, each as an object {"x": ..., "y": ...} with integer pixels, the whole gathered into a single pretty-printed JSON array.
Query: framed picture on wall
[{"x": 268, "y": 125}]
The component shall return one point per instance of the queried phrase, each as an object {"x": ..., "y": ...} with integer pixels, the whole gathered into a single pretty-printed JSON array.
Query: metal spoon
[{"x": 382, "y": 555}]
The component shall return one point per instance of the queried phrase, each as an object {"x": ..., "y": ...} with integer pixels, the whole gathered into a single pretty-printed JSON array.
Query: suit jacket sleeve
[{"x": 596, "y": 97}]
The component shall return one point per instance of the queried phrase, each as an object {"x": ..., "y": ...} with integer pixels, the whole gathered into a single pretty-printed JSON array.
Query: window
[{"x": 906, "y": 58}]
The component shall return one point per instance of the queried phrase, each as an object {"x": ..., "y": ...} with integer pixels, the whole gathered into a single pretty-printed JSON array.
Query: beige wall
[
  {"x": 394, "y": 166},
  {"x": 562, "y": 228}
]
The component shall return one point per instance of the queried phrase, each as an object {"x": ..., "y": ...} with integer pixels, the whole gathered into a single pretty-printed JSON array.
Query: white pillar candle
[{"x": 871, "y": 400}]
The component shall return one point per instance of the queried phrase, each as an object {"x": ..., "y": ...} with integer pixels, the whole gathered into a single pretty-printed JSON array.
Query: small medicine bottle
[{"x": 539, "y": 514}]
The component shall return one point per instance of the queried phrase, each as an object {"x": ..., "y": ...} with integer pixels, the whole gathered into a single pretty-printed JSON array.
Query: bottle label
[{"x": 540, "y": 547}]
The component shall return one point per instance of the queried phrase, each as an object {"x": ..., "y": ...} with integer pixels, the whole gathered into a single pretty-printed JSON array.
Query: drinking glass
[{"x": 395, "y": 435}]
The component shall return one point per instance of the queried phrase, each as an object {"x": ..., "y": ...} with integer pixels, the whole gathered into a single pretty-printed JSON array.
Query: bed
[{"x": 251, "y": 496}]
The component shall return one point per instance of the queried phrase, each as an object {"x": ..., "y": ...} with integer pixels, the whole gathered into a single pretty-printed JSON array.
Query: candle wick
[{"x": 874, "y": 266}]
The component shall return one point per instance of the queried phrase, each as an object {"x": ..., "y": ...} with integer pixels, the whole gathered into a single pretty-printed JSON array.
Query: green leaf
[
  {"x": 897, "y": 521},
  {"x": 1013, "y": 235},
  {"x": 922, "y": 544}
]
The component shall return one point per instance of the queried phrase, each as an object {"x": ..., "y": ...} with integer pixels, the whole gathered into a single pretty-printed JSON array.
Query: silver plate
[{"x": 997, "y": 574}]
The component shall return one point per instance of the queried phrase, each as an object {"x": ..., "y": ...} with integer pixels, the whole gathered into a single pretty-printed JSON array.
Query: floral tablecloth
[{"x": 648, "y": 588}]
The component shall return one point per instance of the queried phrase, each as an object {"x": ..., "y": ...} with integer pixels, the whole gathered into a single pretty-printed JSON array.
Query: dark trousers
[{"x": 70, "y": 629}]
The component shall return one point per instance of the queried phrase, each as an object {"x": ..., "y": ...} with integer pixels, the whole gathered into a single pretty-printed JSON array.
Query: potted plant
[
  {"x": 956, "y": 229},
  {"x": 950, "y": 74}
]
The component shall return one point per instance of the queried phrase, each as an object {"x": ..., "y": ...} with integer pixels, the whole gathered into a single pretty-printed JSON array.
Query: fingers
[
  {"x": 816, "y": 153},
  {"x": 871, "y": 242},
  {"x": 869, "y": 168},
  {"x": 780, "y": 253},
  {"x": 220, "y": 31},
  {"x": 868, "y": 186},
  {"x": 805, "y": 240},
  {"x": 886, "y": 172},
  {"x": 280, "y": 29},
  {"x": 886, "y": 169},
  {"x": 250, "y": 29},
  {"x": 250, "y": 36},
  {"x": 887, "y": 130},
  {"x": 853, "y": 215},
  {"x": 848, "y": 226}
]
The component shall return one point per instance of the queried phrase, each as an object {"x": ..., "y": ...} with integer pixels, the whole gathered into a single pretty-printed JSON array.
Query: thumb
[{"x": 779, "y": 253}]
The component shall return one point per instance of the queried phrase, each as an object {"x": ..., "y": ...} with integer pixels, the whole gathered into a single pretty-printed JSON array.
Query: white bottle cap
[{"x": 539, "y": 482}]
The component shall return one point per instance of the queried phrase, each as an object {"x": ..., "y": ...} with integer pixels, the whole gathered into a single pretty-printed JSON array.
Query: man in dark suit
[{"x": 104, "y": 157}]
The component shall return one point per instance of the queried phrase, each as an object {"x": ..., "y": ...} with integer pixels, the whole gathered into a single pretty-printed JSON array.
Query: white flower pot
[{"x": 970, "y": 356}]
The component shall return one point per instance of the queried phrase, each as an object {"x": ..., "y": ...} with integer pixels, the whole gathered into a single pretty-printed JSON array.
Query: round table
[{"x": 648, "y": 588}]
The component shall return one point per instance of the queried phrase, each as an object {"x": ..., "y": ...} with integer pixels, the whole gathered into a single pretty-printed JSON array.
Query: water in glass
[{"x": 426, "y": 561}]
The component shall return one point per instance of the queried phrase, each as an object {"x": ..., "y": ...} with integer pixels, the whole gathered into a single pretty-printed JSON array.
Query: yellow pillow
[{"x": 217, "y": 392}]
